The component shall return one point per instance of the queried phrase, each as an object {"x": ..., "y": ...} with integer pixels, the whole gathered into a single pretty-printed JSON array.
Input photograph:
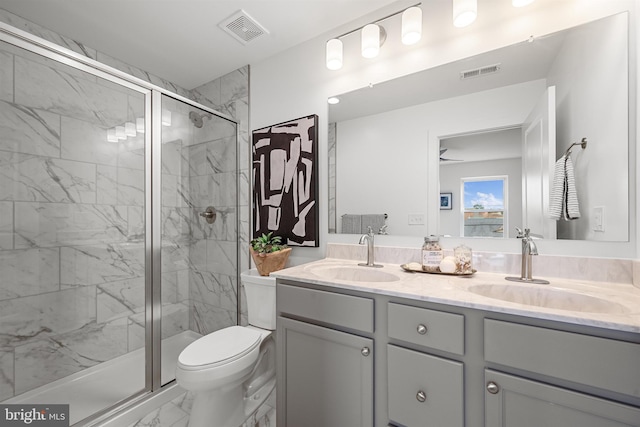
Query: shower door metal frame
[{"x": 153, "y": 201}]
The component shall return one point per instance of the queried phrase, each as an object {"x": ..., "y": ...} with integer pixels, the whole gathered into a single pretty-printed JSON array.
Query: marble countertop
[{"x": 601, "y": 304}]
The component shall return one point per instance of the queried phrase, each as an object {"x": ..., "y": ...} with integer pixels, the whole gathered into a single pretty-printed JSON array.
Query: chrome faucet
[
  {"x": 529, "y": 248},
  {"x": 368, "y": 238}
]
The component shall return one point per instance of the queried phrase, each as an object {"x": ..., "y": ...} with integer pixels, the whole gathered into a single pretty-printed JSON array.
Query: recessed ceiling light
[{"x": 333, "y": 100}]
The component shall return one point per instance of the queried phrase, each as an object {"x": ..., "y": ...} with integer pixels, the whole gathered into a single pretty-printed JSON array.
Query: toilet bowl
[{"x": 231, "y": 372}]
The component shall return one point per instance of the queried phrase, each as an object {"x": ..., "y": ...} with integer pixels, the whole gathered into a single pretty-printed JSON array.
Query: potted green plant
[{"x": 269, "y": 253}]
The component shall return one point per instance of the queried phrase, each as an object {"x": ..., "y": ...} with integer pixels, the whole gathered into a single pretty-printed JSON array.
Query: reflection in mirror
[
  {"x": 482, "y": 171},
  {"x": 507, "y": 115}
]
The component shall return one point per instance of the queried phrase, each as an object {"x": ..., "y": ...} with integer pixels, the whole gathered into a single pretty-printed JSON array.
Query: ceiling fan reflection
[{"x": 442, "y": 159}]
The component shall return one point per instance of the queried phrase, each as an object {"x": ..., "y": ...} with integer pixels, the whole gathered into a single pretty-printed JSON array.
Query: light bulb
[
  {"x": 166, "y": 118},
  {"x": 130, "y": 129},
  {"x": 111, "y": 135},
  {"x": 334, "y": 54},
  {"x": 120, "y": 134},
  {"x": 411, "y": 25},
  {"x": 464, "y": 12},
  {"x": 370, "y": 38}
]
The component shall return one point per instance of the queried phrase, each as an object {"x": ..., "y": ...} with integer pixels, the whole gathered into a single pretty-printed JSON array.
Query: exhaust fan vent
[
  {"x": 242, "y": 27},
  {"x": 482, "y": 71}
]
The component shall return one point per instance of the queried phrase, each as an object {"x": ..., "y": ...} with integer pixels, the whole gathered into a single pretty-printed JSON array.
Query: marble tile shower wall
[
  {"x": 229, "y": 94},
  {"x": 71, "y": 245},
  {"x": 206, "y": 290},
  {"x": 199, "y": 170}
]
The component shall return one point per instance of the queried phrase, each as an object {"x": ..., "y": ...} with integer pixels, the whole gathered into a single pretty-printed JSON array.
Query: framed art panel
[
  {"x": 445, "y": 201},
  {"x": 285, "y": 181}
]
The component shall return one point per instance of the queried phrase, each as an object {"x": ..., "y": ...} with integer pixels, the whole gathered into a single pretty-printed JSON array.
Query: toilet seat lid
[{"x": 220, "y": 347}]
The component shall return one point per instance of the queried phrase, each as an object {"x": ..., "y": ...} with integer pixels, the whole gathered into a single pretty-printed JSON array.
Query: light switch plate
[
  {"x": 416, "y": 219},
  {"x": 598, "y": 218}
]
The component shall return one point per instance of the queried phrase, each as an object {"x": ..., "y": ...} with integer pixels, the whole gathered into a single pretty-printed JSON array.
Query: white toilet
[{"x": 231, "y": 372}]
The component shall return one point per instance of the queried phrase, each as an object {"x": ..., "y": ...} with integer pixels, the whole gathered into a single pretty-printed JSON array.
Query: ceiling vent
[
  {"x": 242, "y": 27},
  {"x": 482, "y": 71}
]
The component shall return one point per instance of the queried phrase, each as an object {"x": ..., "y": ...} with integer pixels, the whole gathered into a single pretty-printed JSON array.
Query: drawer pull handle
[
  {"x": 422, "y": 329},
  {"x": 421, "y": 396},
  {"x": 492, "y": 387},
  {"x": 365, "y": 351}
]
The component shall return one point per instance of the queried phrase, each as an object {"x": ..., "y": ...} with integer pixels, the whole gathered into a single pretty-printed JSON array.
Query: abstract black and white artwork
[{"x": 285, "y": 181}]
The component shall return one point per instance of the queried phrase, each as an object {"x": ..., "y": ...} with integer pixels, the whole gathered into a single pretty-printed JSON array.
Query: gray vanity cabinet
[
  {"x": 512, "y": 401},
  {"x": 599, "y": 365},
  {"x": 415, "y": 363},
  {"x": 325, "y": 374},
  {"x": 328, "y": 376},
  {"x": 424, "y": 389}
]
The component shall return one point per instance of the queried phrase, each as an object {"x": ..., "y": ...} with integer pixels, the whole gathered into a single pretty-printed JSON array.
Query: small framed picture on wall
[{"x": 446, "y": 201}]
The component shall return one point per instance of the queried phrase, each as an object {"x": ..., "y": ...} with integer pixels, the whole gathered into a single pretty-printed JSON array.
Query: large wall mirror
[{"x": 474, "y": 148}]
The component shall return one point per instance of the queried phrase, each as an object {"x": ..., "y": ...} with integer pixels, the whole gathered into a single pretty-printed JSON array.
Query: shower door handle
[{"x": 209, "y": 214}]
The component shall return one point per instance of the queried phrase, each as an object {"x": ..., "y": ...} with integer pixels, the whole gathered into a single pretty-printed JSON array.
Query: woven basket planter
[{"x": 267, "y": 263}]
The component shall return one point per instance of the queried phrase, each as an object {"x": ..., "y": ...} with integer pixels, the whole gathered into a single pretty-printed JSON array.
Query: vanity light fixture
[
  {"x": 373, "y": 36},
  {"x": 464, "y": 12},
  {"x": 412, "y": 25},
  {"x": 120, "y": 134},
  {"x": 334, "y": 54},
  {"x": 521, "y": 3},
  {"x": 130, "y": 129},
  {"x": 166, "y": 118},
  {"x": 127, "y": 129},
  {"x": 111, "y": 135}
]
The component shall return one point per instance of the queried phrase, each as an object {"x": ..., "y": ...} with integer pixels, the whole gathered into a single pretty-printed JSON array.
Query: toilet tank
[{"x": 261, "y": 299}]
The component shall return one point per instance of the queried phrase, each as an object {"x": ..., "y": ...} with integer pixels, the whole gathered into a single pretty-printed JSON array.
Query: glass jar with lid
[
  {"x": 463, "y": 259},
  {"x": 431, "y": 254}
]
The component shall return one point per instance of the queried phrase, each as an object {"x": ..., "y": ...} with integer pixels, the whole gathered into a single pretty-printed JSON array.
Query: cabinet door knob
[
  {"x": 422, "y": 329},
  {"x": 421, "y": 396},
  {"x": 365, "y": 351},
  {"x": 492, "y": 387}
]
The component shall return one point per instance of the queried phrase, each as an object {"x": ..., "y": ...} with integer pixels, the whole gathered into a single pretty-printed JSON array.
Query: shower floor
[{"x": 108, "y": 383}]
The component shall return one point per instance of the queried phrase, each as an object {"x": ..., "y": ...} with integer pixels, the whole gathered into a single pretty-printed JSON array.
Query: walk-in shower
[{"x": 107, "y": 268}]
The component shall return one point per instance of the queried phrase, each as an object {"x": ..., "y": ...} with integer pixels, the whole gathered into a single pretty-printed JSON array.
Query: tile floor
[{"x": 176, "y": 414}]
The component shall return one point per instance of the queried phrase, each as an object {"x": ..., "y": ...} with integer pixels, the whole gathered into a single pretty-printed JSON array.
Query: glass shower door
[
  {"x": 199, "y": 249},
  {"x": 72, "y": 235}
]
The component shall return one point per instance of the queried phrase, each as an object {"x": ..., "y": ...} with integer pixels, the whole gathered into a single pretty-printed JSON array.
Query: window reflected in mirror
[{"x": 484, "y": 212}]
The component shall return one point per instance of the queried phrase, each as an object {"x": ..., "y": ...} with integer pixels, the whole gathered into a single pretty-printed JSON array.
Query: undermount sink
[
  {"x": 540, "y": 296},
  {"x": 352, "y": 273}
]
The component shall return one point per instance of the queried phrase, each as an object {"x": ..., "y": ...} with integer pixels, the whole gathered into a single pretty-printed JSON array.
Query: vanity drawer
[
  {"x": 427, "y": 328},
  {"x": 327, "y": 307},
  {"x": 422, "y": 387},
  {"x": 593, "y": 361}
]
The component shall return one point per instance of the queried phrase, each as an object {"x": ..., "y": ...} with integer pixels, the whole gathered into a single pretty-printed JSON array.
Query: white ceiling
[{"x": 179, "y": 40}]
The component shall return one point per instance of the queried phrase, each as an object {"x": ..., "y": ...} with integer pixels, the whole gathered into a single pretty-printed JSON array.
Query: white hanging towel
[{"x": 564, "y": 198}]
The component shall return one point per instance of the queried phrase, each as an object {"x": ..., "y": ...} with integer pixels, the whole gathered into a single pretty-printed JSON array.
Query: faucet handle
[{"x": 527, "y": 234}]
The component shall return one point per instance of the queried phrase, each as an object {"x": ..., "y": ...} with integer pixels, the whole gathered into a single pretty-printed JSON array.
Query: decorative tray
[{"x": 417, "y": 268}]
